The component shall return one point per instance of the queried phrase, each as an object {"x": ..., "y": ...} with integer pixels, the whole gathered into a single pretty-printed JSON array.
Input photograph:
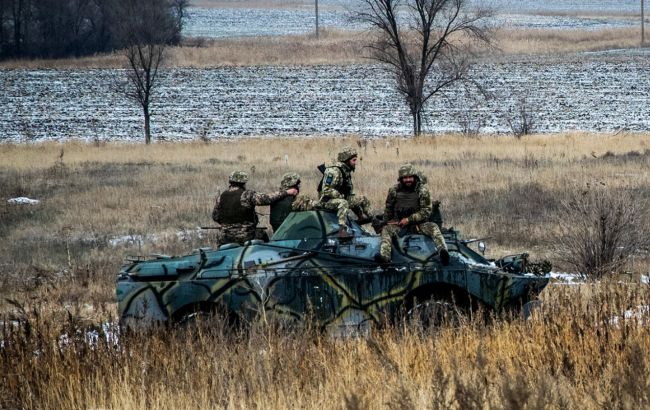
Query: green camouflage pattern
[
  {"x": 360, "y": 205},
  {"x": 389, "y": 232},
  {"x": 333, "y": 179},
  {"x": 419, "y": 220},
  {"x": 242, "y": 232},
  {"x": 303, "y": 203},
  {"x": 424, "y": 202},
  {"x": 346, "y": 154},
  {"x": 407, "y": 170},
  {"x": 289, "y": 180},
  {"x": 333, "y": 200},
  {"x": 239, "y": 177},
  {"x": 307, "y": 273}
]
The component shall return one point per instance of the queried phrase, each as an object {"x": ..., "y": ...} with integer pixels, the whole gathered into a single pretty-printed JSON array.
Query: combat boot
[{"x": 381, "y": 259}]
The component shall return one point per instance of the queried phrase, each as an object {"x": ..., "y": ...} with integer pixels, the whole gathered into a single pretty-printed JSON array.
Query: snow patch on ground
[
  {"x": 22, "y": 200},
  {"x": 594, "y": 93},
  {"x": 251, "y": 22},
  {"x": 639, "y": 314},
  {"x": 566, "y": 278},
  {"x": 138, "y": 240}
]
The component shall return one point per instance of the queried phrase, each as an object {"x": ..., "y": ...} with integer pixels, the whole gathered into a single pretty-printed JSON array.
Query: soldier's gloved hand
[
  {"x": 403, "y": 222},
  {"x": 292, "y": 191}
]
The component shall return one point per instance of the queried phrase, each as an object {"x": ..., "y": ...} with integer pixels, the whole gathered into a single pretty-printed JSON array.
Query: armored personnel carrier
[{"x": 307, "y": 272}]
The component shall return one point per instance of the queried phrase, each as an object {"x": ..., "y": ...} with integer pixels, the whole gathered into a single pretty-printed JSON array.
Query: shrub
[{"x": 599, "y": 229}]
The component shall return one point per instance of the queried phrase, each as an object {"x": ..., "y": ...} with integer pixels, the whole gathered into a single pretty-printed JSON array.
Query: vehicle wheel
[
  {"x": 210, "y": 320},
  {"x": 434, "y": 313}
]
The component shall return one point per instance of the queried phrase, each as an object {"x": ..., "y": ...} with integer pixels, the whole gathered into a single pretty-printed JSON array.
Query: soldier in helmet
[
  {"x": 436, "y": 213},
  {"x": 408, "y": 205},
  {"x": 337, "y": 193},
  {"x": 234, "y": 209},
  {"x": 281, "y": 209}
]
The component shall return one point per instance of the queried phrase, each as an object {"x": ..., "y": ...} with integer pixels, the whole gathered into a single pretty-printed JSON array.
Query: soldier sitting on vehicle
[
  {"x": 281, "y": 209},
  {"x": 408, "y": 206},
  {"x": 234, "y": 209},
  {"x": 436, "y": 213},
  {"x": 337, "y": 191}
]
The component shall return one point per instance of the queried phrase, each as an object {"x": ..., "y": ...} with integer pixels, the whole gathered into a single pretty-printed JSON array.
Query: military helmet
[
  {"x": 346, "y": 154},
  {"x": 407, "y": 170},
  {"x": 290, "y": 179},
  {"x": 239, "y": 177}
]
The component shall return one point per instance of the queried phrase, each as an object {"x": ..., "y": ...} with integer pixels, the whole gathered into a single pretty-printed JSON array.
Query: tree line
[{"x": 66, "y": 28}]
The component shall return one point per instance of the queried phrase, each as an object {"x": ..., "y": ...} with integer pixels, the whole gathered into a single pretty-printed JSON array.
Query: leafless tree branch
[{"x": 429, "y": 54}]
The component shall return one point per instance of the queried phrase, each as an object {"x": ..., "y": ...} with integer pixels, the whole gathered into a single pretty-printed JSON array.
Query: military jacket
[
  {"x": 249, "y": 199},
  {"x": 405, "y": 203},
  {"x": 280, "y": 210},
  {"x": 337, "y": 182},
  {"x": 231, "y": 211}
]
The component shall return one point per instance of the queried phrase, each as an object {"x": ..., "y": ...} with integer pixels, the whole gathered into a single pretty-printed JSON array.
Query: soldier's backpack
[{"x": 321, "y": 168}]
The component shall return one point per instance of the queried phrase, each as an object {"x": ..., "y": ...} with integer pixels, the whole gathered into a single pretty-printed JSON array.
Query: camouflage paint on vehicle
[{"x": 306, "y": 271}]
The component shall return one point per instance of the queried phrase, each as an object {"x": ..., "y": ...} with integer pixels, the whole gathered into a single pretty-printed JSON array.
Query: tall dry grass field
[
  {"x": 59, "y": 258},
  {"x": 341, "y": 47}
]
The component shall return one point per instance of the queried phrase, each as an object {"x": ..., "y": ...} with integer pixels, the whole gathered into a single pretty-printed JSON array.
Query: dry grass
[
  {"x": 343, "y": 47},
  {"x": 90, "y": 195},
  {"x": 573, "y": 354},
  {"x": 57, "y": 262},
  {"x": 516, "y": 42},
  {"x": 495, "y": 186}
]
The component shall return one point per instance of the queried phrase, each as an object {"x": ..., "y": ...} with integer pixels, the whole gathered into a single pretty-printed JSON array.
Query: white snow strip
[
  {"x": 565, "y": 277},
  {"x": 639, "y": 314},
  {"x": 23, "y": 200}
]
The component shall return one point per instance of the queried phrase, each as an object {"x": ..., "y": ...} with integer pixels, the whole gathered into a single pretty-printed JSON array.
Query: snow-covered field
[
  {"x": 604, "y": 92},
  {"x": 335, "y": 14},
  {"x": 595, "y": 92}
]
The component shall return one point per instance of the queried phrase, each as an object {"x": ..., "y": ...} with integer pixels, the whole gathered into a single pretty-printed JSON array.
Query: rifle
[
  {"x": 321, "y": 168},
  {"x": 404, "y": 230}
]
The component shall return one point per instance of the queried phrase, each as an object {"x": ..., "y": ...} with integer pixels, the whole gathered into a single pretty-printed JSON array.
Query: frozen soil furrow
[{"x": 595, "y": 94}]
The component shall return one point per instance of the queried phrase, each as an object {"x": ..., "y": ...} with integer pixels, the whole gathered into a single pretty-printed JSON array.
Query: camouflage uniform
[
  {"x": 303, "y": 203},
  {"x": 337, "y": 192},
  {"x": 245, "y": 228},
  {"x": 413, "y": 204},
  {"x": 281, "y": 209},
  {"x": 436, "y": 213}
]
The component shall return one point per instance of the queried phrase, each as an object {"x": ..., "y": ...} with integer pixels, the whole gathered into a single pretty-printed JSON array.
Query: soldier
[
  {"x": 337, "y": 192},
  {"x": 408, "y": 205},
  {"x": 436, "y": 213},
  {"x": 281, "y": 209},
  {"x": 234, "y": 209}
]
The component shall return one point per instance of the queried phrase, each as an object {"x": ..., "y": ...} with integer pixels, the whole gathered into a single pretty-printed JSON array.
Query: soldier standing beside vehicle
[
  {"x": 337, "y": 190},
  {"x": 281, "y": 209},
  {"x": 234, "y": 209},
  {"x": 408, "y": 205}
]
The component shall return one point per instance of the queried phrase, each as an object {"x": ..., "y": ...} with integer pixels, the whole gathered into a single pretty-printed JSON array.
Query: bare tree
[
  {"x": 179, "y": 8},
  {"x": 521, "y": 119},
  {"x": 146, "y": 27},
  {"x": 425, "y": 43}
]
